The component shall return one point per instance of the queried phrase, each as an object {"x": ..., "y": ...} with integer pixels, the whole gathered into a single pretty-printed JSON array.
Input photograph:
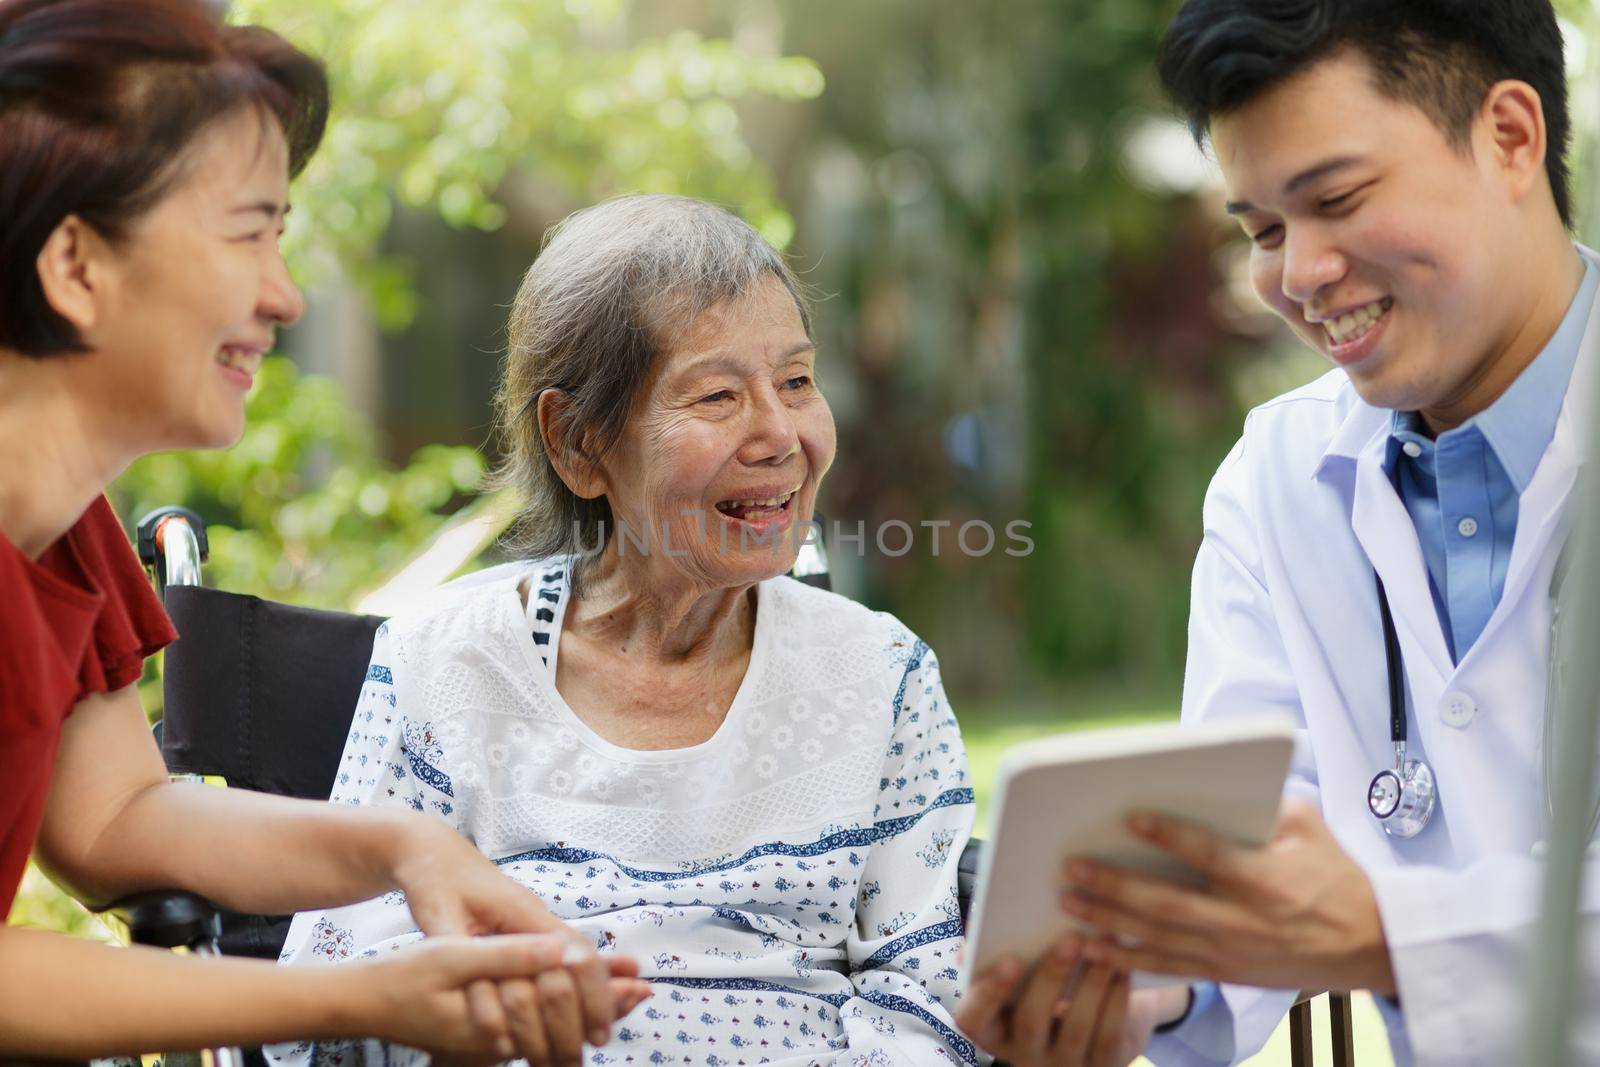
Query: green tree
[
  {"x": 435, "y": 106},
  {"x": 999, "y": 261}
]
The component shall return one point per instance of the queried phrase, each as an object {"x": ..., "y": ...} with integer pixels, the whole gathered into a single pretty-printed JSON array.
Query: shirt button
[
  {"x": 1458, "y": 710},
  {"x": 1467, "y": 526},
  {"x": 1412, "y": 449}
]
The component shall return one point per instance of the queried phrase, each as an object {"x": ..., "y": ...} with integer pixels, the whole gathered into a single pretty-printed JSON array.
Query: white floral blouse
[{"x": 789, "y": 885}]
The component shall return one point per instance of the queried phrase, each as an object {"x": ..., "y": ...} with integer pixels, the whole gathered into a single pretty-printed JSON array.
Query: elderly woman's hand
[
  {"x": 1070, "y": 1012},
  {"x": 453, "y": 890}
]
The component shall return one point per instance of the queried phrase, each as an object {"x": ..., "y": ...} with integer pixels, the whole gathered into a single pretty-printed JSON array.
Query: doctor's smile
[{"x": 1351, "y": 336}]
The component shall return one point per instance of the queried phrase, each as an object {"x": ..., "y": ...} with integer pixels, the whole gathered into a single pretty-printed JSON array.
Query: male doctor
[{"x": 1398, "y": 166}]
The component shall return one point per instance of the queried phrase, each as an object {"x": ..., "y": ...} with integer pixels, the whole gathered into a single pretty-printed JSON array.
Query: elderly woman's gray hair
[{"x": 615, "y": 286}]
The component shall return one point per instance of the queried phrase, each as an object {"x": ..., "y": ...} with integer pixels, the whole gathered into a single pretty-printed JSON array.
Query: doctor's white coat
[{"x": 1285, "y": 618}]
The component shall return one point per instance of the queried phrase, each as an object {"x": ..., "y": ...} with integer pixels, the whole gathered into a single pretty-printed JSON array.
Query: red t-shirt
[{"x": 79, "y": 620}]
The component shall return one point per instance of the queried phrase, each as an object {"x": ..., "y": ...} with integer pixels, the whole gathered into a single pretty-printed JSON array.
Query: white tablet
[{"x": 1071, "y": 795}]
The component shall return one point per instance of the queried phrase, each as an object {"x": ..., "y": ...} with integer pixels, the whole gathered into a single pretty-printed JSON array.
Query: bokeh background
[{"x": 1029, "y": 306}]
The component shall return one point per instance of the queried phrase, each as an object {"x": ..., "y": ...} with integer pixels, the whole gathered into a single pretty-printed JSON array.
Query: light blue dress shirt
[{"x": 1462, "y": 490}]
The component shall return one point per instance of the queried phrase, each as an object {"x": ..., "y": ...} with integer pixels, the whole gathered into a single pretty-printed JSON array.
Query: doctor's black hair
[{"x": 1441, "y": 56}]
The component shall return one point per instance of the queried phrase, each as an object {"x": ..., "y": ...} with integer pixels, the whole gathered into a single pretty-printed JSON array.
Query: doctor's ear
[
  {"x": 567, "y": 446},
  {"x": 74, "y": 273},
  {"x": 1511, "y": 126}
]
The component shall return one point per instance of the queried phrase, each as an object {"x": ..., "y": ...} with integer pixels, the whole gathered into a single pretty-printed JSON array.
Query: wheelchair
[{"x": 228, "y": 714}]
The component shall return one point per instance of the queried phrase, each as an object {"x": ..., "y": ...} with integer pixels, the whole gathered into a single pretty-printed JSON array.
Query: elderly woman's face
[{"x": 722, "y": 461}]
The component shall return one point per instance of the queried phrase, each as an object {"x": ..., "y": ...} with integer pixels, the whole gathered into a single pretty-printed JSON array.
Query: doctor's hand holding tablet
[
  {"x": 1297, "y": 913},
  {"x": 1065, "y": 978}
]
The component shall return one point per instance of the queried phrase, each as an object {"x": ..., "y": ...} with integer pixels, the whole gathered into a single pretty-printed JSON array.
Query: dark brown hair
[
  {"x": 1442, "y": 56},
  {"x": 99, "y": 101}
]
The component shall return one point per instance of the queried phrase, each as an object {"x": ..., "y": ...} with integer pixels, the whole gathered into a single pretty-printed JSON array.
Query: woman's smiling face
[
  {"x": 196, "y": 290},
  {"x": 730, "y": 438}
]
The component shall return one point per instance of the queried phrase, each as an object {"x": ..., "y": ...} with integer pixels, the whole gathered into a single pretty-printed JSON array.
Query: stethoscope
[{"x": 1402, "y": 798}]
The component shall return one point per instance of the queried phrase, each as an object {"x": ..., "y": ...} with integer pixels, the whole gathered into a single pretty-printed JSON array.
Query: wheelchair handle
[
  {"x": 173, "y": 544},
  {"x": 166, "y": 918},
  {"x": 175, "y": 919}
]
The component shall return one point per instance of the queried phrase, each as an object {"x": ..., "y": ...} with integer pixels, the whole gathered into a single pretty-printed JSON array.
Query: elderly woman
[{"x": 754, "y": 787}]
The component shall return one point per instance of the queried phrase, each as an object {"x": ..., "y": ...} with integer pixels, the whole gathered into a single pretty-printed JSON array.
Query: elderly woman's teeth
[
  {"x": 742, "y": 508},
  {"x": 1355, "y": 324}
]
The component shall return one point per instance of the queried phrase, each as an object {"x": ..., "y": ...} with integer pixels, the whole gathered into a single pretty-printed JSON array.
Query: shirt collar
[
  {"x": 1404, "y": 427},
  {"x": 1520, "y": 424},
  {"x": 1364, "y": 427}
]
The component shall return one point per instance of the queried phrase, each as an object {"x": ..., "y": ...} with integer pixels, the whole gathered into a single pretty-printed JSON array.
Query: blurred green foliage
[
  {"x": 1003, "y": 263},
  {"x": 433, "y": 108},
  {"x": 40, "y": 905},
  {"x": 302, "y": 508}
]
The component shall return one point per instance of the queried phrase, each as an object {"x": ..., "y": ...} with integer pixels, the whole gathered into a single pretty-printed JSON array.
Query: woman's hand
[
  {"x": 418, "y": 995},
  {"x": 453, "y": 890},
  {"x": 1069, "y": 1012}
]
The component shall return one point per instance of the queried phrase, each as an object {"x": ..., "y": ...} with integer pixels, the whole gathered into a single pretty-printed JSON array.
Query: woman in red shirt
[{"x": 145, "y": 156}]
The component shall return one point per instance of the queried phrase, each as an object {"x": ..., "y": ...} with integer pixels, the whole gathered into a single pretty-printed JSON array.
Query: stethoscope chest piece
[{"x": 1401, "y": 799}]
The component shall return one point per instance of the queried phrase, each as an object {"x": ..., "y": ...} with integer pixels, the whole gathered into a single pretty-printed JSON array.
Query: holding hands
[
  {"x": 422, "y": 996},
  {"x": 539, "y": 997}
]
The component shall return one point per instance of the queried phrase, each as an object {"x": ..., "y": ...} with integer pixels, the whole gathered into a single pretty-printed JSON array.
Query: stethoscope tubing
[{"x": 1397, "y": 674}]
